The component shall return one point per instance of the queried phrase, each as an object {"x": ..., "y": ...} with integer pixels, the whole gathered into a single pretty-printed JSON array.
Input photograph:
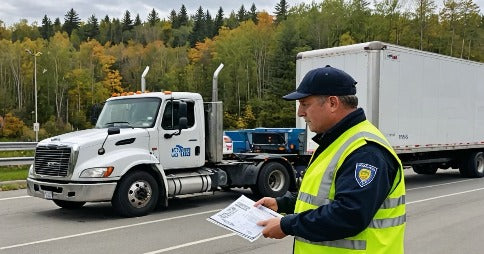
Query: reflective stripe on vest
[
  {"x": 386, "y": 223},
  {"x": 342, "y": 243}
]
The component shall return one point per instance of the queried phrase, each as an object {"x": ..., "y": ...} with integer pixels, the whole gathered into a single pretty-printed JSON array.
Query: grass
[
  {"x": 12, "y": 186},
  {"x": 24, "y": 153},
  {"x": 10, "y": 173}
]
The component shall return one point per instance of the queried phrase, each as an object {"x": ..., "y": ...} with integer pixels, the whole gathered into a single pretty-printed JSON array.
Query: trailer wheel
[
  {"x": 136, "y": 195},
  {"x": 273, "y": 180},
  {"x": 424, "y": 169},
  {"x": 68, "y": 204},
  {"x": 473, "y": 165}
]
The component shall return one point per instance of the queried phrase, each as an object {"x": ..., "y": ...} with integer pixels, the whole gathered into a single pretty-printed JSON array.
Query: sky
[{"x": 11, "y": 11}]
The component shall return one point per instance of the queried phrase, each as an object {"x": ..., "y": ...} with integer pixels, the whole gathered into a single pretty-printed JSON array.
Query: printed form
[{"x": 241, "y": 217}]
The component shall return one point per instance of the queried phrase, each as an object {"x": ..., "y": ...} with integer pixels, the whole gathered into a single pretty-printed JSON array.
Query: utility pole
[{"x": 36, "y": 124}]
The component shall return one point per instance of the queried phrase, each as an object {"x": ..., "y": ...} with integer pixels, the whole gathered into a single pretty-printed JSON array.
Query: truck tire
[
  {"x": 136, "y": 195},
  {"x": 273, "y": 180},
  {"x": 425, "y": 169},
  {"x": 473, "y": 165},
  {"x": 71, "y": 205}
]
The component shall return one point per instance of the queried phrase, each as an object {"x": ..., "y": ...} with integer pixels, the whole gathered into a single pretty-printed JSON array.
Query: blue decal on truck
[{"x": 180, "y": 151}]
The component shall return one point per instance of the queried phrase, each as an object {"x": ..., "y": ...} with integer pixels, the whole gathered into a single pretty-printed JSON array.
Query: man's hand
[
  {"x": 272, "y": 228},
  {"x": 267, "y": 202}
]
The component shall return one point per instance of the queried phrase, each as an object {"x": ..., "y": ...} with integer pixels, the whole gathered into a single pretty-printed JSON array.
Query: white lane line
[
  {"x": 443, "y": 196},
  {"x": 105, "y": 230},
  {"x": 442, "y": 184},
  {"x": 190, "y": 243},
  {"x": 3, "y": 199}
]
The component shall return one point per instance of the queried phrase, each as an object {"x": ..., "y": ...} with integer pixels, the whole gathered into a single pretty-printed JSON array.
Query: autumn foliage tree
[{"x": 84, "y": 62}]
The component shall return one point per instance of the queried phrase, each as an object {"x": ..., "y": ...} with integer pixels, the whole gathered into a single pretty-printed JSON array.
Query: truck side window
[{"x": 171, "y": 117}]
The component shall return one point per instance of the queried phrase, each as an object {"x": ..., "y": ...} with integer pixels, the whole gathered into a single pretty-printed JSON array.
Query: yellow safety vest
[{"x": 386, "y": 231}]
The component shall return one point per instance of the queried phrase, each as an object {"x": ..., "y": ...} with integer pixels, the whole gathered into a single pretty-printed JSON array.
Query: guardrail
[
  {"x": 16, "y": 161},
  {"x": 17, "y": 146}
]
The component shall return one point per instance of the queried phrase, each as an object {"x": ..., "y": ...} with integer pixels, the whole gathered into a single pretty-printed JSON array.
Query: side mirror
[
  {"x": 113, "y": 130},
  {"x": 182, "y": 120},
  {"x": 182, "y": 123}
]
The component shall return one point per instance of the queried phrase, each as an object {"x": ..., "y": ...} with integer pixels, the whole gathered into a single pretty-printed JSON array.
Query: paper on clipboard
[{"x": 241, "y": 217}]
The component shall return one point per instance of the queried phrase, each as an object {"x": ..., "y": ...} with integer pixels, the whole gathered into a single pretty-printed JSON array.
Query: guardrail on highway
[
  {"x": 17, "y": 146},
  {"x": 16, "y": 161}
]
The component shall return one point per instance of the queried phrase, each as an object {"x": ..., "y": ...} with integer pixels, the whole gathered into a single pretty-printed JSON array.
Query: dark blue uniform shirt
[{"x": 354, "y": 206}]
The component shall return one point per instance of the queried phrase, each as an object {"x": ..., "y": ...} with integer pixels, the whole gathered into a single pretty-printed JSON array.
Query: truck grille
[{"x": 52, "y": 160}]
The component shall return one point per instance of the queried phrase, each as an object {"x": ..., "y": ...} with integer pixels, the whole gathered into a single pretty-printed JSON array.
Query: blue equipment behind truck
[{"x": 268, "y": 140}]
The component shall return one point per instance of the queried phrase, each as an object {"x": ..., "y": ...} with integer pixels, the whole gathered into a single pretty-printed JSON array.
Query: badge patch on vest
[{"x": 364, "y": 173}]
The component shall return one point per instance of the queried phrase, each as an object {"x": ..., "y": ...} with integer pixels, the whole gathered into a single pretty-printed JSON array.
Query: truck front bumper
[{"x": 80, "y": 192}]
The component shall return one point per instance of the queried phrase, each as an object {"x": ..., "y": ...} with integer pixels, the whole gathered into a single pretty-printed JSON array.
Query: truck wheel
[
  {"x": 424, "y": 169},
  {"x": 136, "y": 194},
  {"x": 473, "y": 165},
  {"x": 68, "y": 204},
  {"x": 273, "y": 180}
]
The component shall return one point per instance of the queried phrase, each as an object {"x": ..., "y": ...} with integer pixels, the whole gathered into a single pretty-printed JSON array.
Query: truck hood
[{"x": 90, "y": 137}]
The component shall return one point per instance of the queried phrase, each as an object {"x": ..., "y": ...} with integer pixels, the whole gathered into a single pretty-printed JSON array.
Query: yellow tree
[
  {"x": 12, "y": 127},
  {"x": 111, "y": 78},
  {"x": 60, "y": 53}
]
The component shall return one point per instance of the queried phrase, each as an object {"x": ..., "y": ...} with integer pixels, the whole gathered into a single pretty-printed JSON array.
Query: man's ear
[{"x": 333, "y": 103}]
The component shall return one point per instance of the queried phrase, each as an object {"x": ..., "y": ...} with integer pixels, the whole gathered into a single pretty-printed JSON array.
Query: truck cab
[{"x": 146, "y": 148}]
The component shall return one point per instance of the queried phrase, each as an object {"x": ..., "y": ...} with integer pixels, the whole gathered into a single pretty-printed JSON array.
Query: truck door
[{"x": 180, "y": 150}]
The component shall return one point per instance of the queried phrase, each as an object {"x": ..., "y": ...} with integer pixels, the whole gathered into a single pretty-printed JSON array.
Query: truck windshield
[{"x": 129, "y": 113}]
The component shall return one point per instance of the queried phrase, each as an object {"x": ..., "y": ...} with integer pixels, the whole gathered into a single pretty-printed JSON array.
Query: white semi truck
[
  {"x": 429, "y": 106},
  {"x": 147, "y": 148}
]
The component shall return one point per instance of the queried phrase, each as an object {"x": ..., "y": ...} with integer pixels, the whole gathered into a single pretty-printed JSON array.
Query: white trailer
[{"x": 429, "y": 106}]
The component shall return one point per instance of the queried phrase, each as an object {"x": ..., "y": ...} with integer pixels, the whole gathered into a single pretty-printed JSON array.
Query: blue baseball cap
[{"x": 324, "y": 81}]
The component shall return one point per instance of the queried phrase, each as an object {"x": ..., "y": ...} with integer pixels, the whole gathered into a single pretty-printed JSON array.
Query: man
[{"x": 352, "y": 196}]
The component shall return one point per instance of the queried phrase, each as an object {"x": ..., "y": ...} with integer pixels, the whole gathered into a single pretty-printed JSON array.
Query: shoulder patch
[{"x": 364, "y": 173}]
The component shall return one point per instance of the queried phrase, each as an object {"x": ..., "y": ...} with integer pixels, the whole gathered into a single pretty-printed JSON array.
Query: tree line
[{"x": 81, "y": 63}]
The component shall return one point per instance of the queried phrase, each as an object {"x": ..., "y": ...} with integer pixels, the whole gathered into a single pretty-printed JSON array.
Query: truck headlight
[{"x": 97, "y": 172}]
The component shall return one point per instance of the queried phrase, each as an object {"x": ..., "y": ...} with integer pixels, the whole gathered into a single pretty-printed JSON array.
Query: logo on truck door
[{"x": 180, "y": 151}]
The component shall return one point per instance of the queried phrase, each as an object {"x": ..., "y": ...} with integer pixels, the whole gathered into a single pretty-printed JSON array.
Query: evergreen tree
[
  {"x": 137, "y": 21},
  {"x": 57, "y": 25},
  {"x": 198, "y": 31},
  {"x": 183, "y": 16},
  {"x": 253, "y": 13},
  {"x": 92, "y": 27},
  {"x": 281, "y": 11},
  {"x": 242, "y": 14},
  {"x": 209, "y": 30},
  {"x": 219, "y": 21},
  {"x": 47, "y": 28},
  {"x": 71, "y": 21},
  {"x": 127, "y": 22},
  {"x": 174, "y": 20},
  {"x": 153, "y": 18}
]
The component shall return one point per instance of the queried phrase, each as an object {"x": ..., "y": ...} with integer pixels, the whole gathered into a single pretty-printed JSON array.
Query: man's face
[{"x": 316, "y": 112}]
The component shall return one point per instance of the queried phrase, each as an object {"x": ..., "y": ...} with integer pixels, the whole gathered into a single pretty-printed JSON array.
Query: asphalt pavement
[{"x": 444, "y": 214}]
